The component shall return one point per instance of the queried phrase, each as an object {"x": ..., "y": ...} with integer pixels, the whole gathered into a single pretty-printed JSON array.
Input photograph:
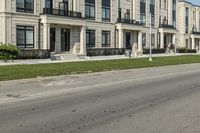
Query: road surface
[{"x": 151, "y": 100}]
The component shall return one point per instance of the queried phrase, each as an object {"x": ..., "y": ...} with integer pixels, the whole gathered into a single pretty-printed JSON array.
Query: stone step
[{"x": 66, "y": 56}]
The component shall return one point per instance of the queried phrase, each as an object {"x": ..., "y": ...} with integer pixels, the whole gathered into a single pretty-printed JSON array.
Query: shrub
[
  {"x": 154, "y": 51},
  {"x": 185, "y": 50},
  {"x": 8, "y": 52},
  {"x": 33, "y": 54}
]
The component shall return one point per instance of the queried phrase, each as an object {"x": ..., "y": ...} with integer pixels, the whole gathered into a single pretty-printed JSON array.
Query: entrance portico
[
  {"x": 167, "y": 36},
  {"x": 129, "y": 36},
  {"x": 195, "y": 38},
  {"x": 64, "y": 35}
]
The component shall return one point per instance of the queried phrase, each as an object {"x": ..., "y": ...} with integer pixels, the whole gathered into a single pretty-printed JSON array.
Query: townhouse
[
  {"x": 78, "y": 26},
  {"x": 189, "y": 25}
]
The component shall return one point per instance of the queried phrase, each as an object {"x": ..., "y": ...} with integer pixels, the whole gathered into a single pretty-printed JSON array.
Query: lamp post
[{"x": 150, "y": 48}]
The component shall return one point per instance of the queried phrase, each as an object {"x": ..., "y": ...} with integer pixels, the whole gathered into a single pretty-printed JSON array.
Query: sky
[{"x": 194, "y": 1}]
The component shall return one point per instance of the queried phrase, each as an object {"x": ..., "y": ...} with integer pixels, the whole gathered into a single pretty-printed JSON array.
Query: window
[
  {"x": 105, "y": 10},
  {"x": 142, "y": 11},
  {"x": 90, "y": 38},
  {"x": 105, "y": 38},
  {"x": 25, "y": 6},
  {"x": 174, "y": 13},
  {"x": 119, "y": 13},
  {"x": 186, "y": 20},
  {"x": 48, "y": 4},
  {"x": 160, "y": 4},
  {"x": 90, "y": 9},
  {"x": 165, "y": 4},
  {"x": 143, "y": 40},
  {"x": 152, "y": 11},
  {"x": 127, "y": 15},
  {"x": 194, "y": 15},
  {"x": 153, "y": 40},
  {"x": 25, "y": 36}
]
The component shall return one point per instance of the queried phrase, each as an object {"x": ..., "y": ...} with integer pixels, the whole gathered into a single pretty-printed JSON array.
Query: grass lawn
[{"x": 32, "y": 71}]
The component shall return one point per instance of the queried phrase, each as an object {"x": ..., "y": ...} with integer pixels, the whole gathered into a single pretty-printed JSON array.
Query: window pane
[
  {"x": 87, "y": 11},
  {"x": 20, "y": 37},
  {"x": 103, "y": 38},
  {"x": 92, "y": 13},
  {"x": 29, "y": 37},
  {"x": 29, "y": 4},
  {"x": 20, "y": 4}
]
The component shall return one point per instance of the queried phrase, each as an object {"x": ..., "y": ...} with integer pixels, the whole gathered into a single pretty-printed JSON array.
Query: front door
[
  {"x": 165, "y": 41},
  {"x": 128, "y": 40},
  {"x": 65, "y": 40},
  {"x": 52, "y": 39}
]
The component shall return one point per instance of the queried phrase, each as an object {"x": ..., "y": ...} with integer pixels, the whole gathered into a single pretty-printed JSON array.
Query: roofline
[{"x": 189, "y": 3}]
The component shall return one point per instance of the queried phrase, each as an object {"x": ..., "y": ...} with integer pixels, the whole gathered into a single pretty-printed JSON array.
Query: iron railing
[
  {"x": 60, "y": 12},
  {"x": 167, "y": 26},
  {"x": 129, "y": 21}
]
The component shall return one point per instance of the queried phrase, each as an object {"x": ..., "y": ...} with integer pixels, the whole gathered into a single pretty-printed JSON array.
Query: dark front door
[
  {"x": 65, "y": 40},
  {"x": 165, "y": 41},
  {"x": 128, "y": 40},
  {"x": 52, "y": 39}
]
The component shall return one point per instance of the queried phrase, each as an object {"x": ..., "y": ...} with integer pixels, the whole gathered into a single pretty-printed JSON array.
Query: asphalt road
[{"x": 153, "y": 100}]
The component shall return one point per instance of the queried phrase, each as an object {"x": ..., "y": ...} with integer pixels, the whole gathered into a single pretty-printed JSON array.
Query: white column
[
  {"x": 46, "y": 36},
  {"x": 161, "y": 40},
  {"x": 140, "y": 41},
  {"x": 121, "y": 38},
  {"x": 174, "y": 42},
  {"x": 193, "y": 43},
  {"x": 174, "y": 39},
  {"x": 83, "y": 41}
]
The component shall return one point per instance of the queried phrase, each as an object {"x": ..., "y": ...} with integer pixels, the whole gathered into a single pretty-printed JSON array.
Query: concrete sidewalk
[{"x": 94, "y": 58}]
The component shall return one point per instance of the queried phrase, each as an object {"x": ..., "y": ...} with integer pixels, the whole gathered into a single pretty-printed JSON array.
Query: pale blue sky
[{"x": 197, "y": 2}]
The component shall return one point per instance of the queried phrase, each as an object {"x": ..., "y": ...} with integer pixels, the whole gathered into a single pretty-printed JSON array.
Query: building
[
  {"x": 79, "y": 26},
  {"x": 189, "y": 25}
]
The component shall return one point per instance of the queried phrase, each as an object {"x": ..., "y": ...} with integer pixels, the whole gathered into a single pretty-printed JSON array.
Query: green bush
[
  {"x": 8, "y": 52},
  {"x": 185, "y": 50}
]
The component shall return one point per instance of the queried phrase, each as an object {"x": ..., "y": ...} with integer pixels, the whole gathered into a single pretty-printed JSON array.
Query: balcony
[
  {"x": 129, "y": 21},
  {"x": 167, "y": 26},
  {"x": 60, "y": 12},
  {"x": 195, "y": 32}
]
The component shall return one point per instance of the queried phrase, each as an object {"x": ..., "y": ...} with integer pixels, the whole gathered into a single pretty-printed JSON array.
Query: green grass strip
[{"x": 43, "y": 70}]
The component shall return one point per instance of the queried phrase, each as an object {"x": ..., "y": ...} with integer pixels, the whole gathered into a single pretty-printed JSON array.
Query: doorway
[
  {"x": 52, "y": 39},
  {"x": 128, "y": 40},
  {"x": 65, "y": 40}
]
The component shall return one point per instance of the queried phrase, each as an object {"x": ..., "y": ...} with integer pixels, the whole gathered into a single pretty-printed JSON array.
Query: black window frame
[
  {"x": 187, "y": 20},
  {"x": 90, "y": 3},
  {"x": 46, "y": 4},
  {"x": 152, "y": 11},
  {"x": 174, "y": 13},
  {"x": 25, "y": 28},
  {"x": 143, "y": 10},
  {"x": 25, "y": 9},
  {"x": 107, "y": 35},
  {"x": 89, "y": 34},
  {"x": 106, "y": 7}
]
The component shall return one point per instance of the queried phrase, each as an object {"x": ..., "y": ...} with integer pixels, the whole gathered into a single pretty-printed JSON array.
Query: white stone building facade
[
  {"x": 75, "y": 26},
  {"x": 189, "y": 25}
]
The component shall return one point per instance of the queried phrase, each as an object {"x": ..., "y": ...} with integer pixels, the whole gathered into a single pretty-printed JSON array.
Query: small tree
[{"x": 8, "y": 52}]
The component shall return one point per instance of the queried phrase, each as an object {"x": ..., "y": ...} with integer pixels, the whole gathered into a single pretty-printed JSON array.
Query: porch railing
[
  {"x": 195, "y": 32},
  {"x": 167, "y": 26},
  {"x": 60, "y": 12},
  {"x": 129, "y": 21}
]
